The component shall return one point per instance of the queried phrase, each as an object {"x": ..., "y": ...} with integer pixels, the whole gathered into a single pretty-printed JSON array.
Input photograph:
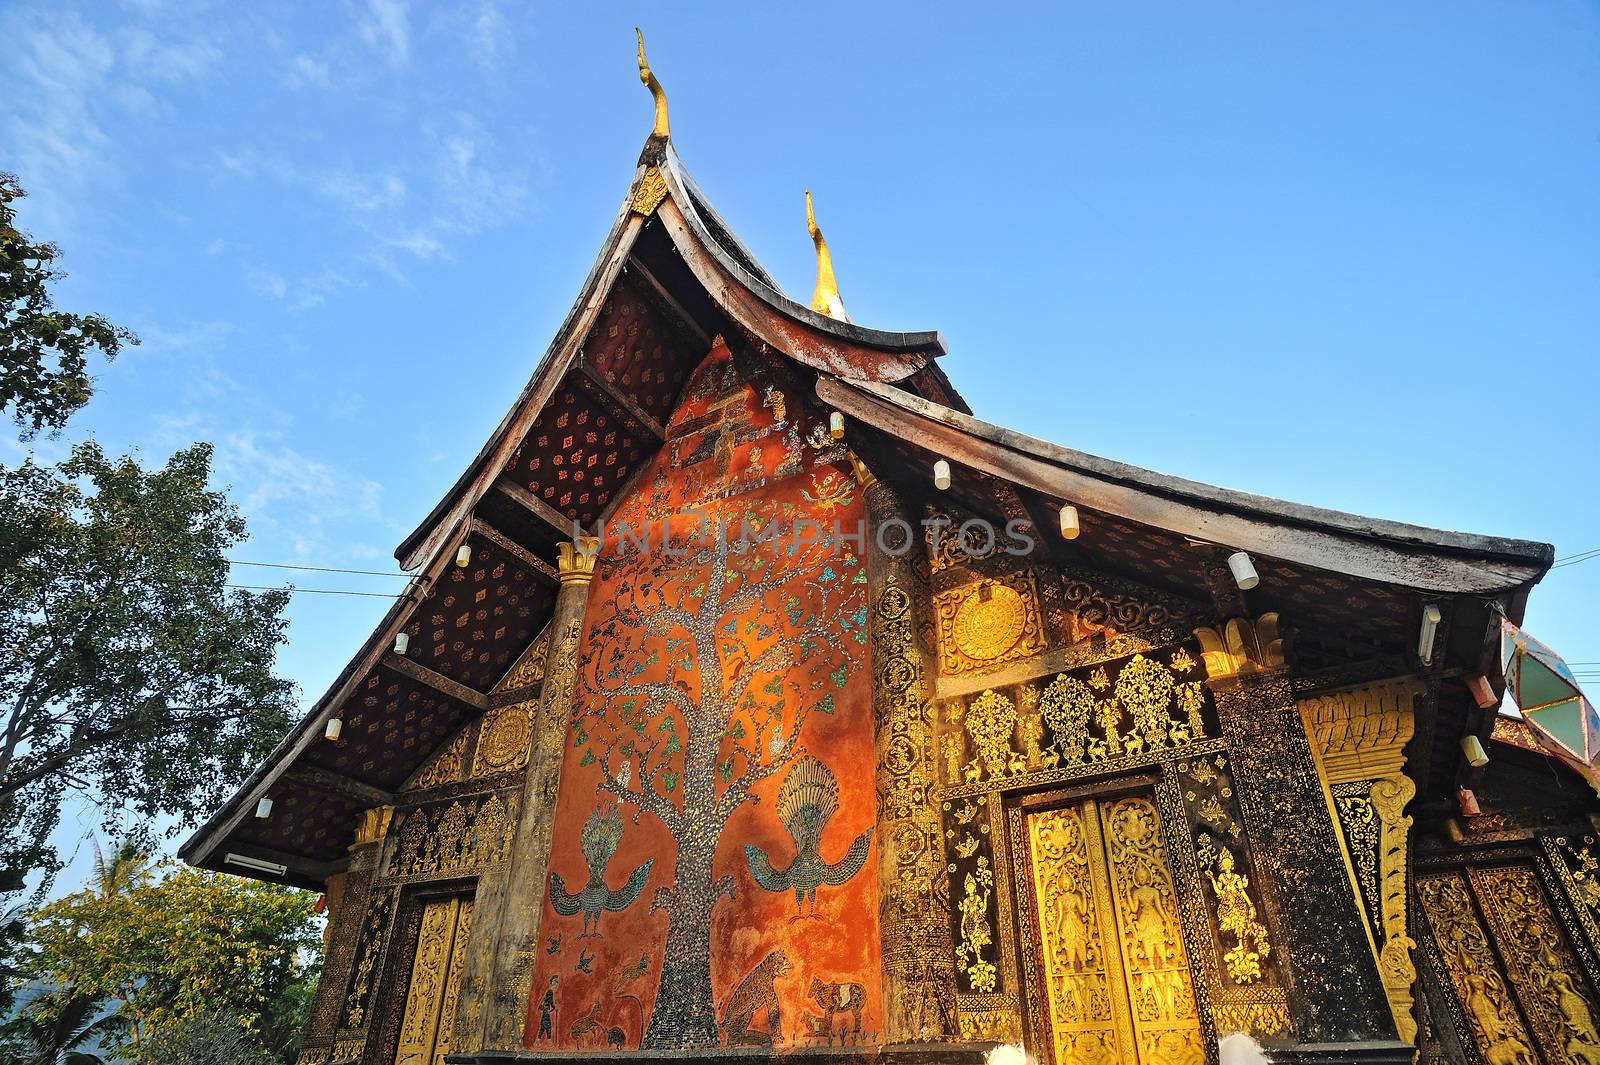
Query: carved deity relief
[
  {"x": 1115, "y": 968},
  {"x": 1474, "y": 974},
  {"x": 435, "y": 984},
  {"x": 1542, "y": 968}
]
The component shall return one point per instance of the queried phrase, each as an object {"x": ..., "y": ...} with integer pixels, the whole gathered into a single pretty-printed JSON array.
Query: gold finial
[
  {"x": 649, "y": 79},
  {"x": 826, "y": 297}
]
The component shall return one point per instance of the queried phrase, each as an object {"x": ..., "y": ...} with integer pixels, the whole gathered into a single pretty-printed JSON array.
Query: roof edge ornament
[
  {"x": 660, "y": 129},
  {"x": 825, "y": 299}
]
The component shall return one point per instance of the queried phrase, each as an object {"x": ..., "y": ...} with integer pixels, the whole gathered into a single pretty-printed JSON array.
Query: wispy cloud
[
  {"x": 363, "y": 193},
  {"x": 306, "y": 71},
  {"x": 268, "y": 283},
  {"x": 68, "y": 84},
  {"x": 293, "y": 498},
  {"x": 386, "y": 26}
]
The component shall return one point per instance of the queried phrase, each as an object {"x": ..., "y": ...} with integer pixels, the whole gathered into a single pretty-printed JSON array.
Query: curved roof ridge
[{"x": 739, "y": 262}]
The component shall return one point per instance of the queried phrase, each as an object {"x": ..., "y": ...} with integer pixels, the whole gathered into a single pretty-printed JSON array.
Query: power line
[
  {"x": 317, "y": 569},
  {"x": 1573, "y": 560},
  {"x": 314, "y": 591}
]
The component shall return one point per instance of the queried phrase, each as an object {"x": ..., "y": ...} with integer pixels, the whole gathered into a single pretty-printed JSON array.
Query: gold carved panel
[
  {"x": 435, "y": 983},
  {"x": 1117, "y": 977},
  {"x": 1542, "y": 968},
  {"x": 1495, "y": 1024},
  {"x": 989, "y": 622},
  {"x": 1358, "y": 738}
]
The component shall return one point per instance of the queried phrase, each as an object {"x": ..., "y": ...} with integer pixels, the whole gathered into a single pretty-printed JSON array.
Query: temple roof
[{"x": 670, "y": 276}]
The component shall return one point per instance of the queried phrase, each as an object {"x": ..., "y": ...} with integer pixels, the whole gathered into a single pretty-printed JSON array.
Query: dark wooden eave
[{"x": 1394, "y": 553}]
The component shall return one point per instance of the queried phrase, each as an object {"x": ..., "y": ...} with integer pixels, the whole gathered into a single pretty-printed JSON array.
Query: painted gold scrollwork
[{"x": 443, "y": 767}]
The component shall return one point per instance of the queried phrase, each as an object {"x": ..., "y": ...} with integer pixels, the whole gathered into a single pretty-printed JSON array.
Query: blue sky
[{"x": 1343, "y": 253}]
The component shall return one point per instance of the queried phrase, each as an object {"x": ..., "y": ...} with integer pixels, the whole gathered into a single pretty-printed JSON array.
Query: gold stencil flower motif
[
  {"x": 1066, "y": 706},
  {"x": 1182, "y": 661},
  {"x": 990, "y": 722},
  {"x": 1144, "y": 687}
]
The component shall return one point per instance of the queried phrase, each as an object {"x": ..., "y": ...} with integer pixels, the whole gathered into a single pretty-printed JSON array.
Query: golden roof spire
[
  {"x": 826, "y": 297},
  {"x": 649, "y": 79}
]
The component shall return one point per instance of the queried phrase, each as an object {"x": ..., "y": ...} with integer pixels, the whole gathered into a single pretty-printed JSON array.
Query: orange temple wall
[{"x": 662, "y": 729}]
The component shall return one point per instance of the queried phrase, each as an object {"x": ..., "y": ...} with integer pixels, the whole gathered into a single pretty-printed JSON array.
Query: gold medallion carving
[
  {"x": 989, "y": 622},
  {"x": 986, "y": 627},
  {"x": 1117, "y": 975},
  {"x": 503, "y": 739}
]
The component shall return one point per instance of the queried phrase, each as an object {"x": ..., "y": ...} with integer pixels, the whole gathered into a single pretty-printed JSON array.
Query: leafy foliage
[
  {"x": 130, "y": 673},
  {"x": 183, "y": 954},
  {"x": 208, "y": 1039},
  {"x": 44, "y": 365}
]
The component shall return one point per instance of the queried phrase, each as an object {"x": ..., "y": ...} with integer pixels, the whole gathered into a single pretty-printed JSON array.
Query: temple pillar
[
  {"x": 500, "y": 966},
  {"x": 919, "y": 999},
  {"x": 1337, "y": 1005}
]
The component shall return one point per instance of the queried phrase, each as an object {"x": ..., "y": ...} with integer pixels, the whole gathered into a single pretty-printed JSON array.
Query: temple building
[{"x": 752, "y": 697}]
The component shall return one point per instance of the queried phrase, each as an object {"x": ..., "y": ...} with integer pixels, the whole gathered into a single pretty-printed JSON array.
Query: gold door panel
[
  {"x": 435, "y": 982},
  {"x": 1117, "y": 978}
]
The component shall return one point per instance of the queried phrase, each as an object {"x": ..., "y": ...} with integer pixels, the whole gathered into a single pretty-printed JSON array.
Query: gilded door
[
  {"x": 435, "y": 982},
  {"x": 1117, "y": 979}
]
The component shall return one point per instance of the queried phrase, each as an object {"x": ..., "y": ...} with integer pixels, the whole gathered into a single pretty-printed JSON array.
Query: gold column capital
[
  {"x": 864, "y": 477},
  {"x": 373, "y": 826},
  {"x": 575, "y": 561},
  {"x": 1241, "y": 646}
]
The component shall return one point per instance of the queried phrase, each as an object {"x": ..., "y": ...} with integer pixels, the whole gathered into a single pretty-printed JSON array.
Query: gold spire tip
[
  {"x": 650, "y": 82},
  {"x": 825, "y": 300}
]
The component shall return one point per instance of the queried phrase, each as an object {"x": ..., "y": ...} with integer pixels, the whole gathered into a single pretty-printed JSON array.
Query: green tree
[
  {"x": 44, "y": 353},
  {"x": 130, "y": 674},
  {"x": 179, "y": 948},
  {"x": 60, "y": 1022}
]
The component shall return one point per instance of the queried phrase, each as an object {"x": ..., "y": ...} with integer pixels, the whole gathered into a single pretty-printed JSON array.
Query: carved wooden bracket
[{"x": 1242, "y": 646}]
